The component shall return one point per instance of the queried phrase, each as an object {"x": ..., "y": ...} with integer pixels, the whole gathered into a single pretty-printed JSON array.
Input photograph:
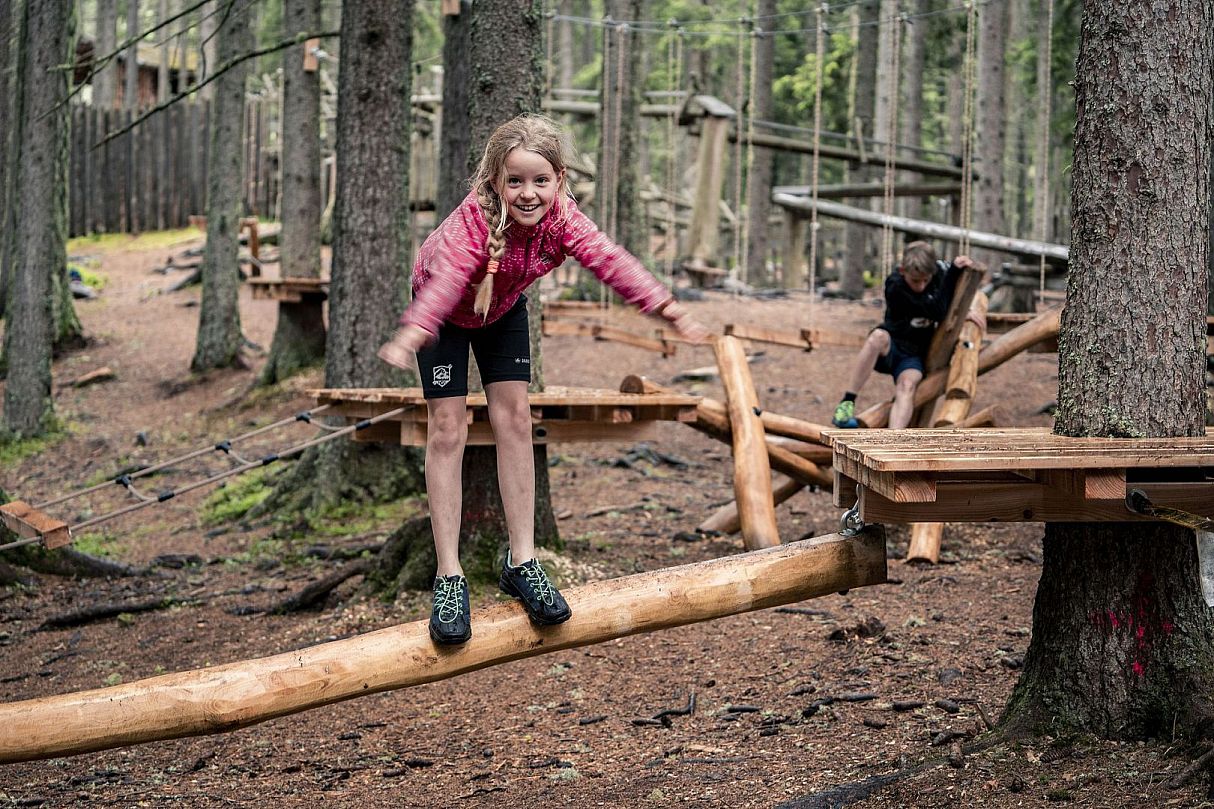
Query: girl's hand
[
  {"x": 400, "y": 350},
  {"x": 687, "y": 326}
]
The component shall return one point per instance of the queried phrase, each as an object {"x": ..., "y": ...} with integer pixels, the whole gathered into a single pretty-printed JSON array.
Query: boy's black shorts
[
  {"x": 895, "y": 361},
  {"x": 502, "y": 349}
]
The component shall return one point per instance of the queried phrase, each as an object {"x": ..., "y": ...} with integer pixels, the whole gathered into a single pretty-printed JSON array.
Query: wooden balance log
[{"x": 235, "y": 695}]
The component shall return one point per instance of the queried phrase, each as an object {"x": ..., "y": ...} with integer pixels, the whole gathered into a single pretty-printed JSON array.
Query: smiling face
[{"x": 530, "y": 186}]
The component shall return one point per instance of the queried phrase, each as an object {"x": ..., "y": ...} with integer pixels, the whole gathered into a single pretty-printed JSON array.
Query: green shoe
[{"x": 845, "y": 415}]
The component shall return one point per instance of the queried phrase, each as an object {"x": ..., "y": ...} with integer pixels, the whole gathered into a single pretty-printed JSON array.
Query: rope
[
  {"x": 819, "y": 57},
  {"x": 750, "y": 157},
  {"x": 967, "y": 146},
  {"x": 1045, "y": 91},
  {"x": 674, "y": 58},
  {"x": 739, "y": 268},
  {"x": 305, "y": 416},
  {"x": 887, "y": 229},
  {"x": 245, "y": 467}
]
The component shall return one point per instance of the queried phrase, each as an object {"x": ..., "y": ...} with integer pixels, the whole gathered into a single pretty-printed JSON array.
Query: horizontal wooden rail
[{"x": 223, "y": 698}]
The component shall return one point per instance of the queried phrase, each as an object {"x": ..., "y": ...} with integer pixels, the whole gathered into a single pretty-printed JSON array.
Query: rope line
[
  {"x": 750, "y": 160},
  {"x": 1045, "y": 92},
  {"x": 738, "y": 267},
  {"x": 305, "y": 416},
  {"x": 674, "y": 58},
  {"x": 887, "y": 229},
  {"x": 819, "y": 58},
  {"x": 189, "y": 487},
  {"x": 967, "y": 146}
]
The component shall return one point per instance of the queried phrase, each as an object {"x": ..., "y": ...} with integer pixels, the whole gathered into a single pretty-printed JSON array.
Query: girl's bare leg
[
  {"x": 510, "y": 415},
  {"x": 447, "y": 432}
]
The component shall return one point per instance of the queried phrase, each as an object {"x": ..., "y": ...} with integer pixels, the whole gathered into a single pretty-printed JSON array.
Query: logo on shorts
[
  {"x": 442, "y": 375},
  {"x": 523, "y": 360}
]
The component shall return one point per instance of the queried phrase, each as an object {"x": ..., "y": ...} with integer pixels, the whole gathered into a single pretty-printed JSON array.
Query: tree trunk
[
  {"x": 1122, "y": 643},
  {"x": 130, "y": 92},
  {"x": 299, "y": 337},
  {"x": 370, "y": 258},
  {"x": 506, "y": 88},
  {"x": 166, "y": 43},
  {"x": 46, "y": 40},
  {"x": 105, "y": 83},
  {"x": 8, "y": 161},
  {"x": 856, "y": 236},
  {"x": 219, "y": 336},
  {"x": 456, "y": 157},
  {"x": 564, "y": 47},
  {"x": 1016, "y": 125},
  {"x": 988, "y": 127},
  {"x": 759, "y": 178},
  {"x": 1042, "y": 192}
]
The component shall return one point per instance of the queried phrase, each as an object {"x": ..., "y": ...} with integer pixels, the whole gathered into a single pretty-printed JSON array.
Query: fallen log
[
  {"x": 725, "y": 519},
  {"x": 235, "y": 695}
]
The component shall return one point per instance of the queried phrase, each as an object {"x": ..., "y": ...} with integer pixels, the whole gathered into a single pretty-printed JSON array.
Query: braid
[{"x": 497, "y": 246}]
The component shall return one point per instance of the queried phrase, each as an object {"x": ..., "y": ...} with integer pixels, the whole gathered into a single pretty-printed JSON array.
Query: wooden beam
[
  {"x": 925, "y": 542},
  {"x": 751, "y": 469},
  {"x": 226, "y": 697},
  {"x": 1027, "y": 502},
  {"x": 962, "y": 372},
  {"x": 1055, "y": 253},
  {"x": 875, "y": 157},
  {"x": 853, "y": 190},
  {"x": 725, "y": 519},
  {"x": 706, "y": 213},
  {"x": 28, "y": 522}
]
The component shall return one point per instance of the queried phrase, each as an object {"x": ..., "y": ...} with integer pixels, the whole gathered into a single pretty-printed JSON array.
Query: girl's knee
[
  {"x": 513, "y": 418},
  {"x": 446, "y": 432}
]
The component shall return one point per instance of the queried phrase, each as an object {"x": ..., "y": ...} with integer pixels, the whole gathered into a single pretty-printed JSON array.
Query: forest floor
[{"x": 843, "y": 702}]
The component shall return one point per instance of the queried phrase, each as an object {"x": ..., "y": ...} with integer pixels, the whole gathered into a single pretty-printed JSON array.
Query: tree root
[
  {"x": 100, "y": 612},
  {"x": 315, "y": 592}
]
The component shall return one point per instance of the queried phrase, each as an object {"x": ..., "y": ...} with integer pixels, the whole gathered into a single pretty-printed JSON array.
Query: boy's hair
[
  {"x": 919, "y": 257},
  {"x": 535, "y": 133}
]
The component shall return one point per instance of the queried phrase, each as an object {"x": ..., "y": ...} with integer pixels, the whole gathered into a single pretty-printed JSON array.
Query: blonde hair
[{"x": 535, "y": 133}]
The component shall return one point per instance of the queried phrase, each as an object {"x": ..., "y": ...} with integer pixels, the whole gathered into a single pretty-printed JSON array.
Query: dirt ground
[{"x": 875, "y": 698}]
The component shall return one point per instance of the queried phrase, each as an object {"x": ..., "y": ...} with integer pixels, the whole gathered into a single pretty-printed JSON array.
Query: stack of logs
[{"x": 799, "y": 451}]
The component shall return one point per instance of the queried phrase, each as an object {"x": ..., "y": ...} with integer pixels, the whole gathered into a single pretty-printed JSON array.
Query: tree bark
[
  {"x": 46, "y": 39},
  {"x": 456, "y": 157},
  {"x": 759, "y": 178},
  {"x": 8, "y": 162},
  {"x": 207, "y": 22},
  {"x": 166, "y": 43},
  {"x": 856, "y": 237},
  {"x": 564, "y": 47},
  {"x": 1122, "y": 643},
  {"x": 130, "y": 92},
  {"x": 914, "y": 60},
  {"x": 989, "y": 127},
  {"x": 105, "y": 83},
  {"x": 219, "y": 336},
  {"x": 299, "y": 337}
]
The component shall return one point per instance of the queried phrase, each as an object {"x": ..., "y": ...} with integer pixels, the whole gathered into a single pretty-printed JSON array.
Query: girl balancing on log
[{"x": 517, "y": 224}]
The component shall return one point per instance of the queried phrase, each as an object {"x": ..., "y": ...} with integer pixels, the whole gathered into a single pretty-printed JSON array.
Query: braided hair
[{"x": 535, "y": 133}]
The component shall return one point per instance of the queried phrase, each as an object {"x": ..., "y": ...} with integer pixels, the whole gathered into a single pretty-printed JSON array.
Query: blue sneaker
[
  {"x": 450, "y": 617},
  {"x": 845, "y": 416},
  {"x": 530, "y": 584}
]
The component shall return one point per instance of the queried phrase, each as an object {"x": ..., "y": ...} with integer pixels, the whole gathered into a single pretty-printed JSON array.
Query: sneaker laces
[
  {"x": 448, "y": 601},
  {"x": 539, "y": 582}
]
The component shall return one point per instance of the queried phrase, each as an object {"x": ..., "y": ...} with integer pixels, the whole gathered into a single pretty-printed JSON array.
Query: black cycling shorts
[{"x": 502, "y": 349}]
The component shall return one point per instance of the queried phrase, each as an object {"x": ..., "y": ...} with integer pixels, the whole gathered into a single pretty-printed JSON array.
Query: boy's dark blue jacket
[{"x": 911, "y": 317}]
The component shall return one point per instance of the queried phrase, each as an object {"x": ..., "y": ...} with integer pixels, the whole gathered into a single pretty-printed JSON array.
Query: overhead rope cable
[
  {"x": 967, "y": 118},
  {"x": 819, "y": 74},
  {"x": 894, "y": 66},
  {"x": 1045, "y": 92},
  {"x": 245, "y": 467}
]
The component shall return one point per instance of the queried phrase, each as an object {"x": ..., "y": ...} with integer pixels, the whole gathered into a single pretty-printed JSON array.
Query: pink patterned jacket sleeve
[
  {"x": 612, "y": 264},
  {"x": 447, "y": 262}
]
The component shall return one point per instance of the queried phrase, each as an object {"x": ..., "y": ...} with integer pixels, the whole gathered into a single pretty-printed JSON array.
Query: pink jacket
[{"x": 452, "y": 261}]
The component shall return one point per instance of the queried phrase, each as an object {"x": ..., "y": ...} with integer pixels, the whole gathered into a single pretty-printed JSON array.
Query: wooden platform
[
  {"x": 557, "y": 414},
  {"x": 1015, "y": 475},
  {"x": 288, "y": 290}
]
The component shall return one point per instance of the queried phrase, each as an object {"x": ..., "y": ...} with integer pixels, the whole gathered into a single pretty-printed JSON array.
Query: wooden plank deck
[
  {"x": 1014, "y": 474},
  {"x": 558, "y": 414},
  {"x": 289, "y": 290}
]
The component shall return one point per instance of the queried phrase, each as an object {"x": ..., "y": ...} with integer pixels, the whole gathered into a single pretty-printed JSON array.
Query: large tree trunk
[
  {"x": 456, "y": 157},
  {"x": 207, "y": 20},
  {"x": 7, "y": 148},
  {"x": 219, "y": 336},
  {"x": 1122, "y": 643},
  {"x": 299, "y": 337},
  {"x": 45, "y": 41},
  {"x": 759, "y": 178},
  {"x": 857, "y": 237},
  {"x": 105, "y": 83},
  {"x": 367, "y": 290},
  {"x": 987, "y": 215},
  {"x": 505, "y": 88},
  {"x": 130, "y": 92}
]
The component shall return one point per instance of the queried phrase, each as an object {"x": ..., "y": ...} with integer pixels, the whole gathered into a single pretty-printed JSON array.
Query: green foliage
[
  {"x": 14, "y": 449},
  {"x": 98, "y": 543},
  {"x": 232, "y": 500}
]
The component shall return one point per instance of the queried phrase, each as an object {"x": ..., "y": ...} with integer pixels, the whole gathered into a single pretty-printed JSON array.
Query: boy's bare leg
[
  {"x": 446, "y": 434},
  {"x": 510, "y": 415},
  {"x": 875, "y": 346},
  {"x": 904, "y": 398}
]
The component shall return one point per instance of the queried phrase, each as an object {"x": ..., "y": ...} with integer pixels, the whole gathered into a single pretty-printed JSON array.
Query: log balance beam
[{"x": 235, "y": 695}]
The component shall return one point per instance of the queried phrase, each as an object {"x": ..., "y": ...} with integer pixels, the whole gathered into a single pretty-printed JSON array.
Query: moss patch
[{"x": 232, "y": 500}]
